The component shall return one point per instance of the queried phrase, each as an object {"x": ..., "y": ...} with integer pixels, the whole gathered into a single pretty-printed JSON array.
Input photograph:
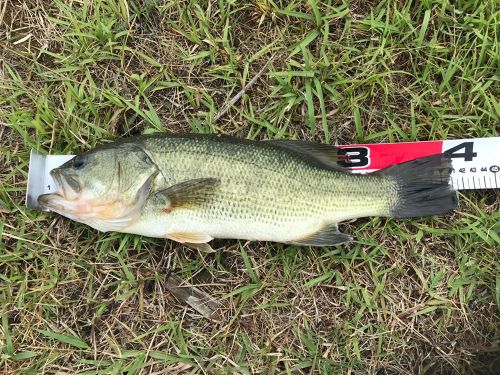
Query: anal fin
[{"x": 328, "y": 236}]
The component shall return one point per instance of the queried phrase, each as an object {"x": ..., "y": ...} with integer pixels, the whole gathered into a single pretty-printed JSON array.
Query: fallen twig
[{"x": 237, "y": 97}]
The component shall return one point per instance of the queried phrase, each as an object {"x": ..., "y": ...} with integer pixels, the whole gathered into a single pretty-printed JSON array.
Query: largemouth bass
[{"x": 192, "y": 188}]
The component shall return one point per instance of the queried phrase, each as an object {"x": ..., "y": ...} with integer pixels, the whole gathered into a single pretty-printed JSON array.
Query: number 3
[{"x": 358, "y": 157}]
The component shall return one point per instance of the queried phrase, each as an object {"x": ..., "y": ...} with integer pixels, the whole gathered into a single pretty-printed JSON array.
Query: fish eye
[
  {"x": 78, "y": 162},
  {"x": 146, "y": 159}
]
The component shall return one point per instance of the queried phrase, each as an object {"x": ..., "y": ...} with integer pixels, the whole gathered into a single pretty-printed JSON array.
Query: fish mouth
[{"x": 68, "y": 190}]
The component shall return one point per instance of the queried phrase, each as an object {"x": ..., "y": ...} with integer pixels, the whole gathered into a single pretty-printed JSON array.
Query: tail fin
[{"x": 422, "y": 187}]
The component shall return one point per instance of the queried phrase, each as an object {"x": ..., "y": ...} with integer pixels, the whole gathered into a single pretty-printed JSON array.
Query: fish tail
[{"x": 421, "y": 187}]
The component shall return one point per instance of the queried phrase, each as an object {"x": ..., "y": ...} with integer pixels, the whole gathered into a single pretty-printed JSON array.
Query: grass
[{"x": 409, "y": 296}]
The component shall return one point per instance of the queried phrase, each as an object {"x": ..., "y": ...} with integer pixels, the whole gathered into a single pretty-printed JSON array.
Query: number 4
[{"x": 468, "y": 153}]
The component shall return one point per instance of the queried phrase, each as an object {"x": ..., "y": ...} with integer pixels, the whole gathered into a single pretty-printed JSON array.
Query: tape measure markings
[{"x": 475, "y": 161}]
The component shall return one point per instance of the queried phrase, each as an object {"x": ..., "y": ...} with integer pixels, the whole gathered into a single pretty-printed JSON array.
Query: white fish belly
[{"x": 160, "y": 227}]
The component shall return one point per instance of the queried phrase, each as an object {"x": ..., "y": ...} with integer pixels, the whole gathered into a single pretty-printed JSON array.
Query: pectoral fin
[
  {"x": 328, "y": 236},
  {"x": 189, "y": 193}
]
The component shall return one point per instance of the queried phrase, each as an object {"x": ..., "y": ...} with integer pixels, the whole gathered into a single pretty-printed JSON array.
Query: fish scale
[{"x": 262, "y": 186}]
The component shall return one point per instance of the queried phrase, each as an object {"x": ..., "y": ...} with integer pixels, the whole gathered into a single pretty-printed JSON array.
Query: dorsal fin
[{"x": 325, "y": 156}]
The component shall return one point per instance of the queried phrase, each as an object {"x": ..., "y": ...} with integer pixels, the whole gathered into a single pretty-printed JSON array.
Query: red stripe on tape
[{"x": 378, "y": 156}]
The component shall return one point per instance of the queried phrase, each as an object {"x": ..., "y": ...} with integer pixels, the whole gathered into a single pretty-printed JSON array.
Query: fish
[{"x": 192, "y": 188}]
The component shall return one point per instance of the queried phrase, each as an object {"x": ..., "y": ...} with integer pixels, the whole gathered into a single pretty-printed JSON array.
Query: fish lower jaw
[
  {"x": 59, "y": 206},
  {"x": 83, "y": 213}
]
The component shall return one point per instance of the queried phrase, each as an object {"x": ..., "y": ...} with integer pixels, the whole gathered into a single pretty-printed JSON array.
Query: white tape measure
[{"x": 476, "y": 163}]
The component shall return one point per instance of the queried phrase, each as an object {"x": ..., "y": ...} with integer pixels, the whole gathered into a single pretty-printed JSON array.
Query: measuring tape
[{"x": 476, "y": 163}]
